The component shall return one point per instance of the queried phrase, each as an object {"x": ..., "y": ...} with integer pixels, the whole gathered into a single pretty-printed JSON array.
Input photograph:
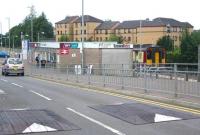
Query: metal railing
[{"x": 173, "y": 80}]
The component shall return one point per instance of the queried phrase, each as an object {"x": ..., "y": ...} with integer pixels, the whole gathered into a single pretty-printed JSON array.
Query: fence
[{"x": 172, "y": 79}]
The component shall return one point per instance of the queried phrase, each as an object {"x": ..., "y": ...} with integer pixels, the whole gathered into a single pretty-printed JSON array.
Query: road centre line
[
  {"x": 4, "y": 80},
  {"x": 45, "y": 97},
  {"x": 2, "y": 92},
  {"x": 97, "y": 122},
  {"x": 17, "y": 85}
]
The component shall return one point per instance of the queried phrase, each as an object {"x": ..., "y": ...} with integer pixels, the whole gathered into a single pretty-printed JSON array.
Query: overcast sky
[{"x": 116, "y": 10}]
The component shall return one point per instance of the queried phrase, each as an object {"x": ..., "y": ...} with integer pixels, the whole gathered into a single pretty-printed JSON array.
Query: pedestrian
[{"x": 37, "y": 59}]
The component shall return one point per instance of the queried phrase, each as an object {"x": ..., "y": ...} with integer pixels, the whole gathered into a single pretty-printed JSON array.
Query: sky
[{"x": 115, "y": 10}]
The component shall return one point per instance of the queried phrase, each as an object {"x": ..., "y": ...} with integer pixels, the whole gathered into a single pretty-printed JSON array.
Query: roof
[
  {"x": 107, "y": 25},
  {"x": 154, "y": 23},
  {"x": 136, "y": 23},
  {"x": 172, "y": 22},
  {"x": 88, "y": 18},
  {"x": 68, "y": 19}
]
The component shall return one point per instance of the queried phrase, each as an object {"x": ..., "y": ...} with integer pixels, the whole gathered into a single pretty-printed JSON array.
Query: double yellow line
[
  {"x": 146, "y": 101},
  {"x": 141, "y": 100}
]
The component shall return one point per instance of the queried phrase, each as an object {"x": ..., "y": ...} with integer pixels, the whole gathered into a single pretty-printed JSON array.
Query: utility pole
[
  {"x": 31, "y": 15},
  {"x": 82, "y": 36},
  {"x": 8, "y": 18}
]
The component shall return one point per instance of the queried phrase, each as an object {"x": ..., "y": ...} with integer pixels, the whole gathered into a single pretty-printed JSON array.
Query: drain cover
[
  {"x": 139, "y": 114},
  {"x": 32, "y": 121}
]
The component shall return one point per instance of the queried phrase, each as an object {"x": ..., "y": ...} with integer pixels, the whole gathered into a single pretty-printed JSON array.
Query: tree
[
  {"x": 115, "y": 38},
  {"x": 165, "y": 42},
  {"x": 189, "y": 47},
  {"x": 40, "y": 24},
  {"x": 63, "y": 38}
]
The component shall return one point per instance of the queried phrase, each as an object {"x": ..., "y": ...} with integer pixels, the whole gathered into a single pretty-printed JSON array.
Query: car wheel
[{"x": 22, "y": 74}]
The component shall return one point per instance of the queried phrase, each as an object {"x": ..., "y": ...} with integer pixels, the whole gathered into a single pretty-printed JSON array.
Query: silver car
[{"x": 13, "y": 66}]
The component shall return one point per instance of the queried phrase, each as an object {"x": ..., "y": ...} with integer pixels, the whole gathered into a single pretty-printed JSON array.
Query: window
[
  {"x": 129, "y": 31},
  {"x": 60, "y": 25},
  {"x": 97, "y": 38},
  {"x": 58, "y": 32},
  {"x": 76, "y": 32},
  {"x": 97, "y": 32},
  {"x": 65, "y": 25},
  {"x": 129, "y": 38},
  {"x": 84, "y": 31},
  {"x": 100, "y": 31},
  {"x": 84, "y": 39},
  {"x": 106, "y": 32},
  {"x": 81, "y": 31},
  {"x": 57, "y": 26},
  {"x": 106, "y": 38},
  {"x": 84, "y": 24},
  {"x": 100, "y": 38},
  {"x": 124, "y": 30}
]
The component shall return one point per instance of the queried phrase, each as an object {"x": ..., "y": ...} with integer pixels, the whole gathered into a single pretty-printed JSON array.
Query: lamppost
[
  {"x": 82, "y": 36},
  {"x": 39, "y": 35},
  {"x": 32, "y": 12},
  {"x": 8, "y": 18},
  {"x": 168, "y": 32},
  {"x": 13, "y": 47},
  {"x": 140, "y": 54}
]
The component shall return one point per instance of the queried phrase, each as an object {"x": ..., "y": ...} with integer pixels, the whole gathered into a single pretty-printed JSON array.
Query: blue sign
[{"x": 74, "y": 45}]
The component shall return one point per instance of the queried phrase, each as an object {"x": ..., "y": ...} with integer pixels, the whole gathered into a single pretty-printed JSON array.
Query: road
[{"x": 82, "y": 109}]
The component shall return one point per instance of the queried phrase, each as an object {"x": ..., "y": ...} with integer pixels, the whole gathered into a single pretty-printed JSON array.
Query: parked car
[
  {"x": 4, "y": 54},
  {"x": 13, "y": 66}
]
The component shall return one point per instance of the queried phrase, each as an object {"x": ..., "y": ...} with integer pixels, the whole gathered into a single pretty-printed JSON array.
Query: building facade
[{"x": 137, "y": 32}]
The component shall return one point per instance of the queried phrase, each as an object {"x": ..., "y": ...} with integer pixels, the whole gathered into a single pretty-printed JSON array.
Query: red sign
[{"x": 64, "y": 48}]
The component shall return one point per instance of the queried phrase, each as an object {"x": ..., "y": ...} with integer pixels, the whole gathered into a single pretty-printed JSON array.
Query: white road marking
[
  {"x": 34, "y": 128},
  {"x": 97, "y": 122},
  {"x": 19, "y": 109},
  {"x": 161, "y": 118},
  {"x": 2, "y": 92},
  {"x": 4, "y": 80},
  {"x": 17, "y": 85},
  {"x": 40, "y": 95}
]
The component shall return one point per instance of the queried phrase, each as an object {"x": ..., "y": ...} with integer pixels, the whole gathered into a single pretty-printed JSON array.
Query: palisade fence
[{"x": 171, "y": 79}]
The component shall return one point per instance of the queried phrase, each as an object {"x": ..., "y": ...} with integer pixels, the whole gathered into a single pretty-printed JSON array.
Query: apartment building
[
  {"x": 148, "y": 32},
  {"x": 105, "y": 30},
  {"x": 132, "y": 32},
  {"x": 65, "y": 28},
  {"x": 90, "y": 24}
]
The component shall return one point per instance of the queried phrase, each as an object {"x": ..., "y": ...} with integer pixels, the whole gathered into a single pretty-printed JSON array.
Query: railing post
[
  {"x": 122, "y": 77},
  {"x": 145, "y": 79},
  {"x": 67, "y": 73},
  {"x": 175, "y": 81}
]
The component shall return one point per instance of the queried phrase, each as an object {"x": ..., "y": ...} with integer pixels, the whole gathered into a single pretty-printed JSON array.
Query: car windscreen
[{"x": 15, "y": 61}]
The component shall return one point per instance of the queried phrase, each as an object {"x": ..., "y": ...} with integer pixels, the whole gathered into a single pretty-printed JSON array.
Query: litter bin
[{"x": 43, "y": 63}]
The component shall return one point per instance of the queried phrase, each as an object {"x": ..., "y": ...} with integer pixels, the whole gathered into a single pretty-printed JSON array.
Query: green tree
[
  {"x": 189, "y": 47},
  {"x": 115, "y": 38},
  {"x": 165, "y": 42},
  {"x": 63, "y": 38},
  {"x": 40, "y": 24}
]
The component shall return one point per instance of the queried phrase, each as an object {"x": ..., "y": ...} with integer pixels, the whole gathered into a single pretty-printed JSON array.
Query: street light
[
  {"x": 8, "y": 18},
  {"x": 39, "y": 35},
  {"x": 32, "y": 12},
  {"x": 82, "y": 35}
]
